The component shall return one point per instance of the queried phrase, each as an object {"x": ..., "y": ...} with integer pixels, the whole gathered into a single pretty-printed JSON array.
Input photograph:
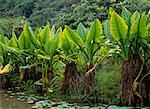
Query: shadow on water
[{"x": 11, "y": 102}]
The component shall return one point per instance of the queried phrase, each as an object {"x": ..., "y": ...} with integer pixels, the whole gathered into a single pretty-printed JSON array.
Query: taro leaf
[
  {"x": 54, "y": 43},
  {"x": 126, "y": 15},
  {"x": 95, "y": 33},
  {"x": 94, "y": 38},
  {"x": 138, "y": 29},
  {"x": 45, "y": 35},
  {"x": 74, "y": 36},
  {"x": 66, "y": 44},
  {"x": 13, "y": 41},
  {"x": 107, "y": 30},
  {"x": 118, "y": 28},
  {"x": 3, "y": 42},
  {"x": 81, "y": 30},
  {"x": 24, "y": 39},
  {"x": 135, "y": 15},
  {"x": 35, "y": 39}
]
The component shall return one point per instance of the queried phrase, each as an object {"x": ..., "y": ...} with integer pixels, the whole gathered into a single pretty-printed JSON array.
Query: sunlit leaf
[
  {"x": 118, "y": 28},
  {"x": 81, "y": 30},
  {"x": 74, "y": 36}
]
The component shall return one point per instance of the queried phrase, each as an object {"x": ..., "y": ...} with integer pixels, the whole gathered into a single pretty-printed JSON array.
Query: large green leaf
[
  {"x": 66, "y": 44},
  {"x": 53, "y": 31},
  {"x": 138, "y": 28},
  {"x": 24, "y": 39},
  {"x": 95, "y": 33},
  {"x": 135, "y": 15},
  {"x": 93, "y": 39},
  {"x": 45, "y": 35},
  {"x": 147, "y": 18},
  {"x": 74, "y": 36},
  {"x": 126, "y": 16},
  {"x": 3, "y": 41},
  {"x": 52, "y": 47},
  {"x": 13, "y": 41},
  {"x": 107, "y": 29},
  {"x": 81, "y": 30},
  {"x": 118, "y": 28},
  {"x": 54, "y": 43},
  {"x": 35, "y": 38},
  {"x": 47, "y": 47}
]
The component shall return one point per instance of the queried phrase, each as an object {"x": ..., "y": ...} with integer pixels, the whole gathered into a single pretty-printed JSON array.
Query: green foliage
[
  {"x": 81, "y": 30},
  {"x": 109, "y": 73},
  {"x": 49, "y": 49},
  {"x": 7, "y": 24},
  {"x": 74, "y": 37},
  {"x": 13, "y": 41},
  {"x": 24, "y": 40},
  {"x": 44, "y": 36},
  {"x": 65, "y": 43},
  {"x": 129, "y": 37},
  {"x": 91, "y": 42},
  {"x": 3, "y": 51},
  {"x": 61, "y": 13},
  {"x": 118, "y": 28},
  {"x": 138, "y": 5}
]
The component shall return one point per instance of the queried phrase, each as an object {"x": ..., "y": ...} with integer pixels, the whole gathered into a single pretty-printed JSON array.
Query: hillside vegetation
[{"x": 61, "y": 12}]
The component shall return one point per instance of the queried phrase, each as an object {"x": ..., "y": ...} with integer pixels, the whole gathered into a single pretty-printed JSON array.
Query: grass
[{"x": 108, "y": 82}]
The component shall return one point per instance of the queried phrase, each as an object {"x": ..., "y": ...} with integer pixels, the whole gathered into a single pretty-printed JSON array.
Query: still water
[{"x": 11, "y": 102}]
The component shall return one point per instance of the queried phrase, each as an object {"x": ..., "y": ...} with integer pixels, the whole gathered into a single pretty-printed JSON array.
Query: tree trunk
[
  {"x": 146, "y": 84},
  {"x": 89, "y": 81},
  {"x": 130, "y": 70},
  {"x": 71, "y": 79}
]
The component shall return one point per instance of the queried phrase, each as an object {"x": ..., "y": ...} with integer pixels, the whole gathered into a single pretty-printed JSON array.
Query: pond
[{"x": 11, "y": 102}]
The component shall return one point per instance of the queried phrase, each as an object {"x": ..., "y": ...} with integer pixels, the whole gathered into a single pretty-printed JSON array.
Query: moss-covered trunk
[
  {"x": 89, "y": 80},
  {"x": 145, "y": 83},
  {"x": 129, "y": 91},
  {"x": 71, "y": 79}
]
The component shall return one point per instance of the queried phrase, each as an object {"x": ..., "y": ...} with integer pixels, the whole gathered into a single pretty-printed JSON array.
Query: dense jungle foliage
[{"x": 61, "y": 12}]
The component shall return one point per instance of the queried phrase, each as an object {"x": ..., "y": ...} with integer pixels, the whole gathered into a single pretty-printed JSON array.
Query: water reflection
[{"x": 11, "y": 102}]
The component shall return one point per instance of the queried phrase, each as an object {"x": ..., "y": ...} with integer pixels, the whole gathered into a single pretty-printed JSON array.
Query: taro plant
[
  {"x": 89, "y": 43},
  {"x": 21, "y": 54},
  {"x": 26, "y": 54},
  {"x": 4, "y": 60},
  {"x": 69, "y": 55},
  {"x": 46, "y": 43},
  {"x": 129, "y": 33},
  {"x": 4, "y": 53}
]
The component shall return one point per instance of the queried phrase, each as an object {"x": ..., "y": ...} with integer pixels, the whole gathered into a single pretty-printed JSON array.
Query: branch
[{"x": 97, "y": 63}]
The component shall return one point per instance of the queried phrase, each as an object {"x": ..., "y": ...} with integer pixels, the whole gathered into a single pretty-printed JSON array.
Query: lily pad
[
  {"x": 35, "y": 107},
  {"x": 30, "y": 102}
]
